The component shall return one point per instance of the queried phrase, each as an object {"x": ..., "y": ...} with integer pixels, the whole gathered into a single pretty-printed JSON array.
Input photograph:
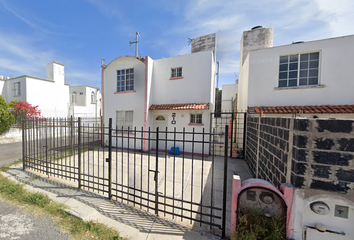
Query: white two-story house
[
  {"x": 175, "y": 92},
  {"x": 85, "y": 101},
  {"x": 307, "y": 79},
  {"x": 51, "y": 95}
]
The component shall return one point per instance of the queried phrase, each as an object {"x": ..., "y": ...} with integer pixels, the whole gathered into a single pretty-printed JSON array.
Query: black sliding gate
[
  {"x": 236, "y": 121},
  {"x": 174, "y": 174}
]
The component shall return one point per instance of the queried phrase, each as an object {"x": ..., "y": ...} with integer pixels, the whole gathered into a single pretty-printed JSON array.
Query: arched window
[
  {"x": 160, "y": 118},
  {"x": 93, "y": 99},
  {"x": 74, "y": 98}
]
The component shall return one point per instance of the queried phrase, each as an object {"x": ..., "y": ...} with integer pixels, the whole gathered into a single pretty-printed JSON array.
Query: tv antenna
[{"x": 136, "y": 43}]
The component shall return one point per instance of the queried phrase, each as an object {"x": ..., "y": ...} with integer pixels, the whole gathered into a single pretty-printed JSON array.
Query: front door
[{"x": 160, "y": 121}]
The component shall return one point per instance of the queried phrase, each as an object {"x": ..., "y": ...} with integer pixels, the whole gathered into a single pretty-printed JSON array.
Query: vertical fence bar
[
  {"x": 202, "y": 182},
  {"x": 156, "y": 173},
  {"x": 223, "y": 226},
  {"x": 23, "y": 145},
  {"x": 52, "y": 154},
  {"x": 244, "y": 134},
  {"x": 79, "y": 151},
  {"x": 212, "y": 176},
  {"x": 231, "y": 131},
  {"x": 110, "y": 160},
  {"x": 46, "y": 148},
  {"x": 174, "y": 173}
]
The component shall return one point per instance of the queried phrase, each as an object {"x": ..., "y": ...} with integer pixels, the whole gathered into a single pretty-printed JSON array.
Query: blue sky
[{"x": 79, "y": 33}]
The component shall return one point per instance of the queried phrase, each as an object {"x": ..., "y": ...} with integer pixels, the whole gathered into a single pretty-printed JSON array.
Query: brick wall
[{"x": 309, "y": 153}]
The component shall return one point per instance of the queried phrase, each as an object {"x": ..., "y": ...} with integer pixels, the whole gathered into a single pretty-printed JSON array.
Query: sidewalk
[{"x": 130, "y": 222}]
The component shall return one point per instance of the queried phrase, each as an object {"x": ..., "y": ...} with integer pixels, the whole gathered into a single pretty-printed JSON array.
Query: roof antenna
[
  {"x": 136, "y": 43},
  {"x": 102, "y": 60}
]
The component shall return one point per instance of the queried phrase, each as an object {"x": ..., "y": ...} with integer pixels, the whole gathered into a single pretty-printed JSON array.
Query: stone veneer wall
[{"x": 309, "y": 153}]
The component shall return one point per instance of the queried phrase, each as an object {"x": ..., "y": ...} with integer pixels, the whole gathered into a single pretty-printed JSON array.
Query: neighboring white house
[
  {"x": 310, "y": 79},
  {"x": 85, "y": 101},
  {"x": 50, "y": 94},
  {"x": 175, "y": 92},
  {"x": 229, "y": 97}
]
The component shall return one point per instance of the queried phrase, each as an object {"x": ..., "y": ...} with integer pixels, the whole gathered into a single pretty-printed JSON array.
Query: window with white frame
[
  {"x": 299, "y": 70},
  {"x": 93, "y": 99},
  {"x": 176, "y": 72},
  {"x": 196, "y": 118},
  {"x": 125, "y": 80},
  {"x": 124, "y": 119},
  {"x": 17, "y": 89},
  {"x": 74, "y": 98}
]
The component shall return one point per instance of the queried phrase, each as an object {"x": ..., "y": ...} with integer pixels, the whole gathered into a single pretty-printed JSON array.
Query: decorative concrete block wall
[
  {"x": 309, "y": 153},
  {"x": 323, "y": 155}
]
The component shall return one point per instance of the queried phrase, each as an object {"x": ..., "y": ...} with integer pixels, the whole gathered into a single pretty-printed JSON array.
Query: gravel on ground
[{"x": 16, "y": 223}]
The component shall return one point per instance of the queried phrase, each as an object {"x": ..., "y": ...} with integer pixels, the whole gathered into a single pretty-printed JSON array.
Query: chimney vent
[{"x": 256, "y": 27}]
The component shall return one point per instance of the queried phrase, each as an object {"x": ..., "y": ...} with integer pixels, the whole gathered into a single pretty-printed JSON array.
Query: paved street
[
  {"x": 10, "y": 152},
  {"x": 16, "y": 223}
]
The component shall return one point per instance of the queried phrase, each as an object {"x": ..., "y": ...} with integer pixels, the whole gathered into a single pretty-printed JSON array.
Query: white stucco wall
[
  {"x": 52, "y": 98},
  {"x": 229, "y": 92},
  {"x": 242, "y": 91},
  {"x": 128, "y": 101},
  {"x": 303, "y": 215},
  {"x": 9, "y": 89},
  {"x": 197, "y": 72},
  {"x": 335, "y": 77},
  {"x": 3, "y": 89}
]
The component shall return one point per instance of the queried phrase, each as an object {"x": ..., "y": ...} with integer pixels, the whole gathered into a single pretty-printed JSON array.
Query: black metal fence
[
  {"x": 171, "y": 173},
  {"x": 236, "y": 137}
]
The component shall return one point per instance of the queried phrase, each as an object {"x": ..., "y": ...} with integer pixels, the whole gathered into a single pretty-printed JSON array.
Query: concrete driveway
[{"x": 10, "y": 152}]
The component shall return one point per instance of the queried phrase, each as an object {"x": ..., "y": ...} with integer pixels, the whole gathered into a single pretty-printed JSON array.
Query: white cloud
[
  {"x": 19, "y": 56},
  {"x": 32, "y": 21}
]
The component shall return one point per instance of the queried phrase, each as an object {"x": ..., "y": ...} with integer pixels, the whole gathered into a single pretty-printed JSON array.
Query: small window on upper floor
[
  {"x": 299, "y": 70},
  {"x": 17, "y": 89},
  {"x": 125, "y": 80},
  {"x": 176, "y": 72},
  {"x": 93, "y": 99}
]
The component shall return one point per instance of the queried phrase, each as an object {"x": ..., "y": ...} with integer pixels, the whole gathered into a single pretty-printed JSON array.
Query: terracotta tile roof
[
  {"x": 180, "y": 106},
  {"x": 304, "y": 109}
]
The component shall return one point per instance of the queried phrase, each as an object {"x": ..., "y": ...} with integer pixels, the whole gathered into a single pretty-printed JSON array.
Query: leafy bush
[
  {"x": 6, "y": 120},
  {"x": 3, "y": 104},
  {"x": 6, "y": 117},
  {"x": 12, "y": 104},
  {"x": 254, "y": 225},
  {"x": 26, "y": 110}
]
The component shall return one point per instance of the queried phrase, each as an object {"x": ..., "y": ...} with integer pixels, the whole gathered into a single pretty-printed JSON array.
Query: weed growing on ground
[
  {"x": 254, "y": 225},
  {"x": 37, "y": 202}
]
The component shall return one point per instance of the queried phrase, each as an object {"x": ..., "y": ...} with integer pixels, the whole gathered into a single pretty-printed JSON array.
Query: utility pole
[{"x": 136, "y": 43}]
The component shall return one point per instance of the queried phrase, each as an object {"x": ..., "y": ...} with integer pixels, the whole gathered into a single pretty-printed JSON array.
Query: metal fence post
[
  {"x": 231, "y": 132},
  {"x": 46, "y": 147},
  {"x": 23, "y": 145},
  {"x": 79, "y": 151},
  {"x": 110, "y": 160},
  {"x": 223, "y": 225},
  {"x": 244, "y": 134},
  {"x": 156, "y": 173}
]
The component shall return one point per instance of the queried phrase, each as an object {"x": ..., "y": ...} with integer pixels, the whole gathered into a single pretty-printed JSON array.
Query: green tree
[
  {"x": 6, "y": 117},
  {"x": 3, "y": 104},
  {"x": 12, "y": 104}
]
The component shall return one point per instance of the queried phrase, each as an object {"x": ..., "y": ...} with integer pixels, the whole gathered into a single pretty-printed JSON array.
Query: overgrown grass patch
[
  {"x": 37, "y": 202},
  {"x": 254, "y": 225}
]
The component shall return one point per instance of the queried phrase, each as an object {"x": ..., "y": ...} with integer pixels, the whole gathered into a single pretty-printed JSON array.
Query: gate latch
[{"x": 107, "y": 159}]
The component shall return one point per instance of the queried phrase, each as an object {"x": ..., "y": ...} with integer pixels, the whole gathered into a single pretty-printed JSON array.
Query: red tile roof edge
[
  {"x": 180, "y": 106},
  {"x": 317, "y": 109}
]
